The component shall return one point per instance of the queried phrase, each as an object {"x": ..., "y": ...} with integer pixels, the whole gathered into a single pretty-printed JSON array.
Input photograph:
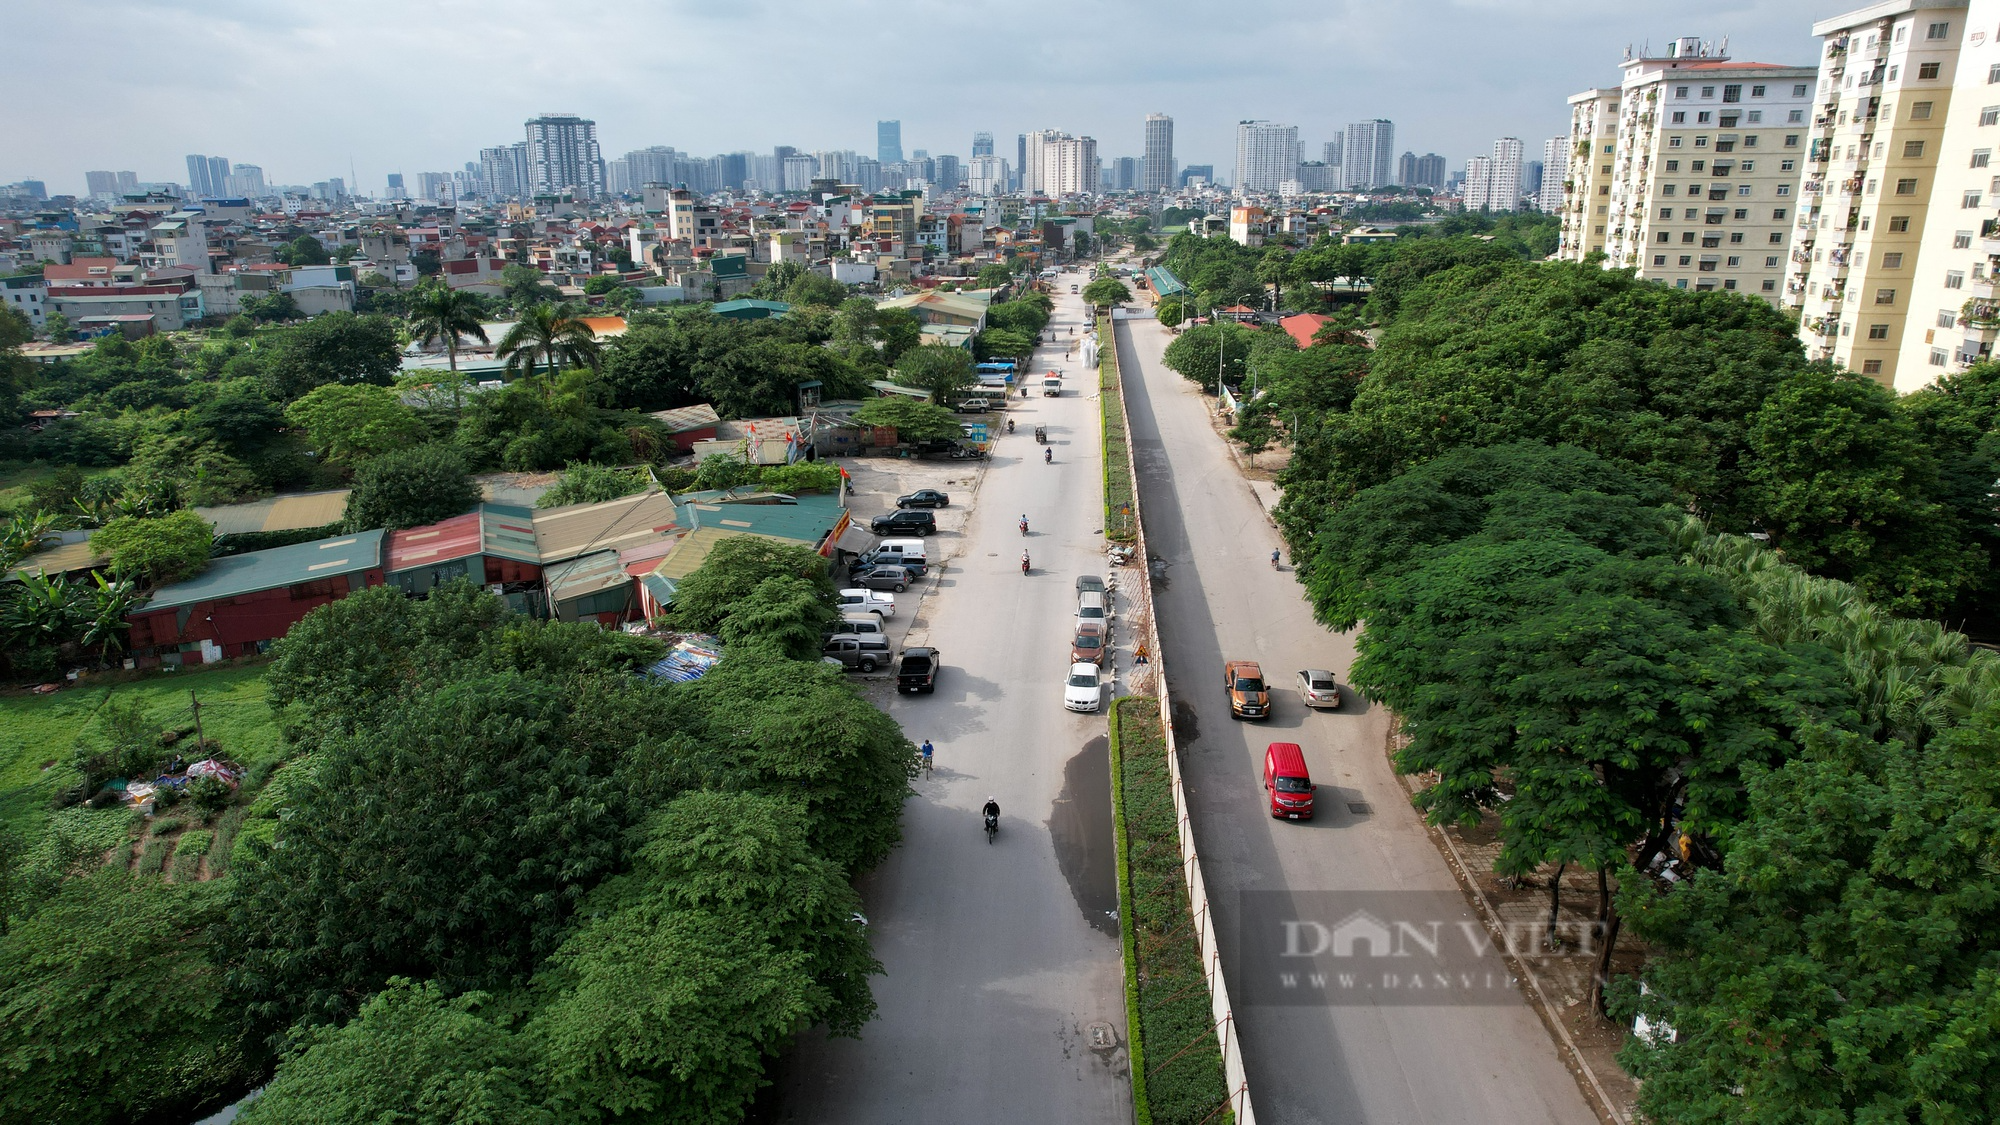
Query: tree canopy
[{"x": 410, "y": 487}]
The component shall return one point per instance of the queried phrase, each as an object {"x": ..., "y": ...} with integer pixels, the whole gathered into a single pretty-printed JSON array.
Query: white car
[
  {"x": 867, "y": 601},
  {"x": 1085, "y": 689},
  {"x": 1317, "y": 689}
]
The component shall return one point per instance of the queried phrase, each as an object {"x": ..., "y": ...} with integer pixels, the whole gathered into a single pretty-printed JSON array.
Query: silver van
[
  {"x": 908, "y": 552},
  {"x": 1091, "y": 607},
  {"x": 860, "y": 625}
]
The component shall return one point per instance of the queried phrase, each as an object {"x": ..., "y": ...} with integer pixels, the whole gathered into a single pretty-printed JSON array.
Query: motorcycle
[
  {"x": 1048, "y": 456},
  {"x": 1024, "y": 525},
  {"x": 992, "y": 827},
  {"x": 1024, "y": 562},
  {"x": 1010, "y": 425}
]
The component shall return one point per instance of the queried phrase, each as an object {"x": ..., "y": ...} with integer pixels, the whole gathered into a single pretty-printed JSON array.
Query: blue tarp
[{"x": 690, "y": 659}]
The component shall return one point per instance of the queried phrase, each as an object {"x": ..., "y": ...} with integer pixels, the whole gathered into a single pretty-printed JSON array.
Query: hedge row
[
  {"x": 1177, "y": 1075},
  {"x": 1118, "y": 517}
]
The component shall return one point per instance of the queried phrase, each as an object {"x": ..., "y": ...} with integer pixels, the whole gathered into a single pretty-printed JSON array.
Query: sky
[{"x": 308, "y": 90}]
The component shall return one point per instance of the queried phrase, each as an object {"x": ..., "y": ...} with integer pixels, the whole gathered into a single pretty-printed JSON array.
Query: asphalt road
[
  {"x": 1349, "y": 1058},
  {"x": 999, "y": 960}
]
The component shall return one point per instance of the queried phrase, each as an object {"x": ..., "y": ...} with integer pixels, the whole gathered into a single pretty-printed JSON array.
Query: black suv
[{"x": 906, "y": 521}]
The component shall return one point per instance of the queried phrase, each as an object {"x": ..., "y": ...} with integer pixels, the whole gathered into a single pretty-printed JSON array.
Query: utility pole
[{"x": 200, "y": 739}]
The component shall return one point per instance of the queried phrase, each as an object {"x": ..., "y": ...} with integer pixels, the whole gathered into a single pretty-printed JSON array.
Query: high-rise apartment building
[
  {"x": 889, "y": 142},
  {"x": 1157, "y": 175},
  {"x": 1406, "y": 169},
  {"x": 982, "y": 144},
  {"x": 1059, "y": 164},
  {"x": 1267, "y": 154},
  {"x": 246, "y": 180},
  {"x": 1021, "y": 162},
  {"x": 503, "y": 170},
  {"x": 798, "y": 172},
  {"x": 1430, "y": 172},
  {"x": 101, "y": 184},
  {"x": 1555, "y": 167},
  {"x": 1493, "y": 183},
  {"x": 1890, "y": 256},
  {"x": 563, "y": 157},
  {"x": 986, "y": 175},
  {"x": 1368, "y": 159},
  {"x": 1694, "y": 185},
  {"x": 208, "y": 176},
  {"x": 435, "y": 187},
  {"x": 949, "y": 173}
]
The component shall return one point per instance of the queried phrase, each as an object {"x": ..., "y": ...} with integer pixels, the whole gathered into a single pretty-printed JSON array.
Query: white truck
[{"x": 1052, "y": 385}]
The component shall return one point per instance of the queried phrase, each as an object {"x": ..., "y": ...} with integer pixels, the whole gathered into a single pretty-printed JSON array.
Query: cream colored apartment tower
[
  {"x": 1870, "y": 191},
  {"x": 1954, "y": 312},
  {"x": 1695, "y": 188},
  {"x": 1586, "y": 201}
]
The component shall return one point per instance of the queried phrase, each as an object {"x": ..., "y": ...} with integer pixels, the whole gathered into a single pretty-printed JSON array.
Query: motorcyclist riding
[
  {"x": 1048, "y": 456},
  {"x": 991, "y": 814},
  {"x": 1024, "y": 562},
  {"x": 1010, "y": 425},
  {"x": 1024, "y": 525}
]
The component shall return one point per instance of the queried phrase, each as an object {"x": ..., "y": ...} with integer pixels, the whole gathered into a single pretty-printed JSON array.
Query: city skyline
[{"x": 1474, "y": 88}]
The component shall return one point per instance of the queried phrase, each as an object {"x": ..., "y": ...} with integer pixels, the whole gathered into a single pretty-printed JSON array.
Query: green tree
[
  {"x": 584, "y": 483},
  {"x": 526, "y": 287},
  {"x": 112, "y": 1007},
  {"x": 1107, "y": 291},
  {"x": 337, "y": 347},
  {"x": 409, "y": 488},
  {"x": 156, "y": 551},
  {"x": 439, "y": 313},
  {"x": 735, "y": 568},
  {"x": 548, "y": 336},
  {"x": 353, "y": 422},
  {"x": 449, "y": 838},
  {"x": 1846, "y": 488},
  {"x": 912, "y": 420},
  {"x": 1840, "y": 965},
  {"x": 993, "y": 275},
  {"x": 413, "y": 1055},
  {"x": 815, "y": 289},
  {"x": 729, "y": 937},
  {"x": 801, "y": 476},
  {"x": 786, "y": 613},
  {"x": 56, "y": 326},
  {"x": 1194, "y": 354},
  {"x": 305, "y": 250},
  {"x": 946, "y": 372},
  {"x": 723, "y": 470}
]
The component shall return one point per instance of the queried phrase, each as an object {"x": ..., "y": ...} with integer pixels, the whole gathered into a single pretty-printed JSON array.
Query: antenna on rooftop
[{"x": 1724, "y": 49}]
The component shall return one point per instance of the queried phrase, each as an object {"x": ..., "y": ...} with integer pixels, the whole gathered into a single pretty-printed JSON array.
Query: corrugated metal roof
[
  {"x": 687, "y": 417},
  {"x": 62, "y": 560},
  {"x": 565, "y": 533},
  {"x": 454, "y": 538},
  {"x": 257, "y": 571},
  {"x": 508, "y": 532},
  {"x": 806, "y": 519},
  {"x": 294, "y": 512},
  {"x": 582, "y": 577},
  {"x": 693, "y": 549}
]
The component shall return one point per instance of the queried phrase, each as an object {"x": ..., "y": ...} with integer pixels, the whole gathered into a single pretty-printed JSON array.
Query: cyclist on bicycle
[{"x": 924, "y": 752}]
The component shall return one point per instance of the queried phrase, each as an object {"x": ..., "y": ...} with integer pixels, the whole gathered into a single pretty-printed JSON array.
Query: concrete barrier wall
[{"x": 1204, "y": 918}]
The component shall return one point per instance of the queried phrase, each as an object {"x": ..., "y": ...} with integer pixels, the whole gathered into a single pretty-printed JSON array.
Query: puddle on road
[
  {"x": 1080, "y": 827},
  {"x": 1187, "y": 726}
]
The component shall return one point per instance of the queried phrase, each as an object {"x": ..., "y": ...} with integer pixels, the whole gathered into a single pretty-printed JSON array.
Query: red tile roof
[{"x": 1302, "y": 327}]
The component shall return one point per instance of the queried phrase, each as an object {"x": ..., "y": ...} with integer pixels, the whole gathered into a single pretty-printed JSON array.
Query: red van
[{"x": 1287, "y": 781}]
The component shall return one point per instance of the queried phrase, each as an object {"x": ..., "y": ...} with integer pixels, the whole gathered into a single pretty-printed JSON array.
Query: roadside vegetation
[
  {"x": 1120, "y": 522},
  {"x": 1661, "y": 598},
  {"x": 1177, "y": 1076}
]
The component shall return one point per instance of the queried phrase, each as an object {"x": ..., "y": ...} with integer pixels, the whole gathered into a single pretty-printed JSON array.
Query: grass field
[
  {"x": 39, "y": 733},
  {"x": 16, "y": 476}
]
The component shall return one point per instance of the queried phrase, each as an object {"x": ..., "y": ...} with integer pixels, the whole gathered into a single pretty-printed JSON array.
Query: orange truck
[{"x": 1249, "y": 696}]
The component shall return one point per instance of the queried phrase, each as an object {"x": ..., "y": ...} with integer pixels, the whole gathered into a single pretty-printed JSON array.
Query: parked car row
[{"x": 1083, "y": 690}]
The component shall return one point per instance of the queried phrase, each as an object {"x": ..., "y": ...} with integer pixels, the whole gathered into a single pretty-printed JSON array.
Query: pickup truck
[
  {"x": 1249, "y": 697},
  {"x": 918, "y": 670}
]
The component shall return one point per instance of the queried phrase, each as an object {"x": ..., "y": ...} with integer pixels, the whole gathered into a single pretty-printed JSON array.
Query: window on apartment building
[
  {"x": 1713, "y": 218},
  {"x": 1689, "y": 214},
  {"x": 1681, "y": 283},
  {"x": 1938, "y": 31},
  {"x": 1694, "y": 189},
  {"x": 1679, "y": 117},
  {"x": 1610, "y": 148},
  {"x": 1878, "y": 332},
  {"x": 1777, "y": 239},
  {"x": 1946, "y": 319},
  {"x": 1701, "y": 142},
  {"x": 1990, "y": 115},
  {"x": 1902, "y": 29},
  {"x": 1748, "y": 166},
  {"x": 1971, "y": 200},
  {"x": 1673, "y": 142},
  {"x": 1687, "y": 236},
  {"x": 1680, "y": 91},
  {"x": 1899, "y": 223},
  {"x": 1939, "y": 357},
  {"x": 1604, "y": 189},
  {"x": 1667, "y": 189},
  {"x": 1733, "y": 261},
  {"x": 1954, "y": 279},
  {"x": 1885, "y": 296},
  {"x": 1732, "y": 93},
  {"x": 1736, "y": 236},
  {"x": 1799, "y": 91},
  {"x": 1698, "y": 166},
  {"x": 1708, "y": 91},
  {"x": 1778, "y": 214},
  {"x": 1982, "y": 157},
  {"x": 1711, "y": 241},
  {"x": 1788, "y": 165},
  {"x": 1606, "y": 169},
  {"x": 1756, "y": 91},
  {"x": 1894, "y": 71},
  {"x": 1755, "y": 116},
  {"x": 1742, "y": 189},
  {"x": 1961, "y": 240},
  {"x": 1663, "y": 237},
  {"x": 1771, "y": 261},
  {"x": 1893, "y": 260},
  {"x": 1769, "y": 286},
  {"x": 1673, "y": 165},
  {"x": 1659, "y": 259},
  {"x": 1905, "y": 186},
  {"x": 1741, "y": 213},
  {"x": 1920, "y": 111},
  {"x": 1871, "y": 367},
  {"x": 1791, "y": 140},
  {"x": 1912, "y": 149},
  {"x": 1687, "y": 259},
  {"x": 1666, "y": 212},
  {"x": 1750, "y": 140},
  {"x": 1729, "y": 283},
  {"x": 1927, "y": 70},
  {"x": 1702, "y": 118}
]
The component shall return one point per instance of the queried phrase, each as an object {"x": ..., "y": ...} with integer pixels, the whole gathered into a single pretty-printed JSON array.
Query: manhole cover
[
  {"x": 992, "y": 554},
  {"x": 1102, "y": 1038},
  {"x": 1359, "y": 808}
]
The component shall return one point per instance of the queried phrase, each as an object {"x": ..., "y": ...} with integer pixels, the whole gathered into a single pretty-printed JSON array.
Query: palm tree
[
  {"x": 439, "y": 312},
  {"x": 549, "y": 335}
]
